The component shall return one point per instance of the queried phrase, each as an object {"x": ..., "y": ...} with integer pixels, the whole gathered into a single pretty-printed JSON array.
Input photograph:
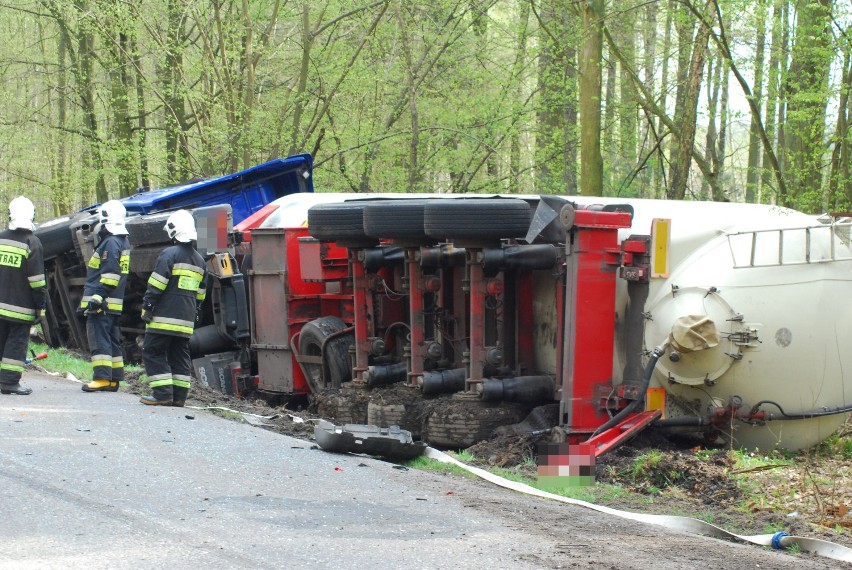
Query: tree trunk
[
  {"x": 556, "y": 116},
  {"x": 117, "y": 50},
  {"x": 806, "y": 92},
  {"x": 664, "y": 91},
  {"x": 710, "y": 139},
  {"x": 591, "y": 162},
  {"x": 838, "y": 181},
  {"x": 722, "y": 142},
  {"x": 61, "y": 192},
  {"x": 648, "y": 175},
  {"x": 647, "y": 101},
  {"x": 175, "y": 106},
  {"x": 687, "y": 105},
  {"x": 753, "y": 173},
  {"x": 772, "y": 91},
  {"x": 782, "y": 99},
  {"x": 515, "y": 140},
  {"x": 141, "y": 122},
  {"x": 627, "y": 109},
  {"x": 84, "y": 71}
]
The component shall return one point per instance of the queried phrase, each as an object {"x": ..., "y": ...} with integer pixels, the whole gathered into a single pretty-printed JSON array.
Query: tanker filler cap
[{"x": 693, "y": 333}]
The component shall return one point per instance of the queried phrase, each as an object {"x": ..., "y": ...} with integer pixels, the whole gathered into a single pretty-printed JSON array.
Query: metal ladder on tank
[{"x": 804, "y": 245}]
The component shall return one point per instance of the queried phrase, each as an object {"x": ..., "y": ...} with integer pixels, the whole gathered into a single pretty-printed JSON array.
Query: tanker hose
[
  {"x": 844, "y": 409},
  {"x": 445, "y": 381},
  {"x": 646, "y": 381},
  {"x": 687, "y": 421}
]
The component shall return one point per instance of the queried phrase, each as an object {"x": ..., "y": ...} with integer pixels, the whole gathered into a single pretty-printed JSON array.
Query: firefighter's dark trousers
[
  {"x": 104, "y": 337},
  {"x": 14, "y": 337},
  {"x": 168, "y": 365}
]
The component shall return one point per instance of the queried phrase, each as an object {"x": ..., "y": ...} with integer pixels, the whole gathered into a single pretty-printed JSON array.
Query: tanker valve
[
  {"x": 377, "y": 347},
  {"x": 494, "y": 356},
  {"x": 431, "y": 284},
  {"x": 494, "y": 287},
  {"x": 434, "y": 351}
]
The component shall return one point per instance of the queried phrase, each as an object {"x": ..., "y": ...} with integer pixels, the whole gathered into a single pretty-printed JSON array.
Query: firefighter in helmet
[
  {"x": 103, "y": 298},
  {"x": 176, "y": 289},
  {"x": 22, "y": 292}
]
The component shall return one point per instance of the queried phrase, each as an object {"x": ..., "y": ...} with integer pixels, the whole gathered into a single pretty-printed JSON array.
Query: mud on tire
[
  {"x": 462, "y": 423},
  {"x": 335, "y": 369}
]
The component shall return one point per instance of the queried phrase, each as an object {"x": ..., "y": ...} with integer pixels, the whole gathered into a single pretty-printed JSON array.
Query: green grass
[
  {"x": 61, "y": 360},
  {"x": 229, "y": 415},
  {"x": 836, "y": 446},
  {"x": 646, "y": 464},
  {"x": 744, "y": 460},
  {"x": 426, "y": 464},
  {"x": 598, "y": 493}
]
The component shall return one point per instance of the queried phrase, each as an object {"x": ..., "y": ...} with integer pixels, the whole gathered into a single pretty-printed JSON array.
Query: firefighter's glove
[
  {"x": 147, "y": 312},
  {"x": 96, "y": 305}
]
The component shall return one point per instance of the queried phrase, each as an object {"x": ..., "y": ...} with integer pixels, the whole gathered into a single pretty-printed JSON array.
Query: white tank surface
[{"x": 756, "y": 306}]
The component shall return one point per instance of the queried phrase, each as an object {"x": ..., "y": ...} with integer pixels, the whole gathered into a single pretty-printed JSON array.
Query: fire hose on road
[{"x": 778, "y": 540}]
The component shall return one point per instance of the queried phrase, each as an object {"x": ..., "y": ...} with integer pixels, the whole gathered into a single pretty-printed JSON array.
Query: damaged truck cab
[{"x": 216, "y": 203}]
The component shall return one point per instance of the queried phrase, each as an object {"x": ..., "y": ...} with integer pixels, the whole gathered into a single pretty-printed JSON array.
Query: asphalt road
[{"x": 101, "y": 481}]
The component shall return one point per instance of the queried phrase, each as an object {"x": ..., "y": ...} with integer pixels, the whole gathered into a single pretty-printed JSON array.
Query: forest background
[{"x": 734, "y": 100}]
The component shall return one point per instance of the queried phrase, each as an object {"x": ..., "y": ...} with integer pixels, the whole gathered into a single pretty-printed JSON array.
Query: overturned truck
[
  {"x": 216, "y": 203},
  {"x": 590, "y": 318},
  {"x": 595, "y": 318}
]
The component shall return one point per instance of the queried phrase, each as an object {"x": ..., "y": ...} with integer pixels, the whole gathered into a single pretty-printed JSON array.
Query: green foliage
[
  {"x": 442, "y": 96},
  {"x": 836, "y": 445}
]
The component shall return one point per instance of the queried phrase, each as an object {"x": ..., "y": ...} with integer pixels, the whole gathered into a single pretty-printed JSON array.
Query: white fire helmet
[
  {"x": 111, "y": 215},
  {"x": 21, "y": 214},
  {"x": 181, "y": 227}
]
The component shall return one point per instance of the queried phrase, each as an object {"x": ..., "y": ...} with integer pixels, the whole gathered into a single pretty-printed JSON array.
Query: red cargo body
[{"x": 286, "y": 293}]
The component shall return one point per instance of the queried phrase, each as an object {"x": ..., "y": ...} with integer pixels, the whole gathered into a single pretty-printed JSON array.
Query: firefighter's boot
[
  {"x": 179, "y": 396},
  {"x": 16, "y": 389},
  {"x": 160, "y": 396},
  {"x": 101, "y": 386}
]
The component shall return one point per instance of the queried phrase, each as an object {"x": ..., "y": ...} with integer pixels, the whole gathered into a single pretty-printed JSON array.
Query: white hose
[{"x": 779, "y": 540}]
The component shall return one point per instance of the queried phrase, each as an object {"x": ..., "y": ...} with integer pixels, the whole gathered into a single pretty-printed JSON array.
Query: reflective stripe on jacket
[
  {"x": 176, "y": 288},
  {"x": 107, "y": 272},
  {"x": 22, "y": 281}
]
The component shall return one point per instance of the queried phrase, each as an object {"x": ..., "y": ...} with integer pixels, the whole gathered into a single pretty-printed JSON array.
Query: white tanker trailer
[{"x": 754, "y": 302}]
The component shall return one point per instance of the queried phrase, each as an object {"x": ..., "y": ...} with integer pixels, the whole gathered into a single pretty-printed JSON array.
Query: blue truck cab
[
  {"x": 246, "y": 192},
  {"x": 224, "y": 200}
]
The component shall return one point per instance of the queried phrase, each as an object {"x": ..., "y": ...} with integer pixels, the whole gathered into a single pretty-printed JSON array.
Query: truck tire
[
  {"x": 395, "y": 219},
  {"x": 55, "y": 235},
  {"x": 335, "y": 369},
  {"x": 478, "y": 219},
  {"x": 341, "y": 222},
  {"x": 459, "y": 425}
]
